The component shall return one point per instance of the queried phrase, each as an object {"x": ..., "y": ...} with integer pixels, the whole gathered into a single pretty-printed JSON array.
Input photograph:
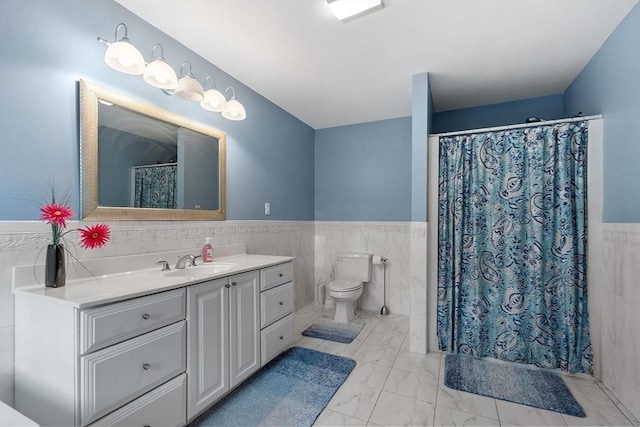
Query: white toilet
[{"x": 352, "y": 269}]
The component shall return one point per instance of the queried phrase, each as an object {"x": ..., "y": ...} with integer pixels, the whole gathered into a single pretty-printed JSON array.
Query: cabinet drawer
[
  {"x": 163, "y": 406},
  {"x": 103, "y": 326},
  {"x": 276, "y": 275},
  {"x": 276, "y": 303},
  {"x": 116, "y": 375},
  {"x": 276, "y": 338}
]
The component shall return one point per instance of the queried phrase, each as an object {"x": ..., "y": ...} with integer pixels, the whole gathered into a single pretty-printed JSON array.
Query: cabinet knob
[
  {"x": 281, "y": 275},
  {"x": 146, "y": 366},
  {"x": 234, "y": 283},
  {"x": 146, "y": 316},
  {"x": 281, "y": 337},
  {"x": 281, "y": 303},
  {"x": 227, "y": 286}
]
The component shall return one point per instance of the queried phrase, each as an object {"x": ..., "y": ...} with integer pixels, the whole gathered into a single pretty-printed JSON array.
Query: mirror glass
[{"x": 142, "y": 162}]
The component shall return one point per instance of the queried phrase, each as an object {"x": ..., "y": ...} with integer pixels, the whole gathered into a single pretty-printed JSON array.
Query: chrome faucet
[{"x": 182, "y": 261}]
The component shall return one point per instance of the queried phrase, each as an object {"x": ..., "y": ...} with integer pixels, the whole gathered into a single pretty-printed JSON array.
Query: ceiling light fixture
[
  {"x": 235, "y": 110},
  {"x": 122, "y": 56},
  {"x": 160, "y": 74},
  {"x": 346, "y": 10}
]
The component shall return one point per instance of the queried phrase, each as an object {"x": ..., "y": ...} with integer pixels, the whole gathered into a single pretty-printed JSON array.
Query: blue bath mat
[
  {"x": 292, "y": 390},
  {"x": 327, "y": 329},
  {"x": 531, "y": 387}
]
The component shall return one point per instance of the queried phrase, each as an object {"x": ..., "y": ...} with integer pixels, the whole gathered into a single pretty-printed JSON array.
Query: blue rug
[
  {"x": 327, "y": 329},
  {"x": 531, "y": 387},
  {"x": 292, "y": 390}
]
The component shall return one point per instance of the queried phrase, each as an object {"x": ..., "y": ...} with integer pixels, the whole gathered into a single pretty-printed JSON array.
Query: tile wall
[
  {"x": 404, "y": 246},
  {"x": 620, "y": 314}
]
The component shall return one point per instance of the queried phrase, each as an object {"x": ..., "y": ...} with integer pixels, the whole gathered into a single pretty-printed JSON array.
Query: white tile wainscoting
[
  {"x": 620, "y": 313},
  {"x": 404, "y": 245}
]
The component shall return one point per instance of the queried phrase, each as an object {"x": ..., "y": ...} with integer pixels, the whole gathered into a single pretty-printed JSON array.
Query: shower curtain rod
[
  {"x": 156, "y": 165},
  {"x": 519, "y": 126}
]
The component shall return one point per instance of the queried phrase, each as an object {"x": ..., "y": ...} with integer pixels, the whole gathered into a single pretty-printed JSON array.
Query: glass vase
[{"x": 54, "y": 269}]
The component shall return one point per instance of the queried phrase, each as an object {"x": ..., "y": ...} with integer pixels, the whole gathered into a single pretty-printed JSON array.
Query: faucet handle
[
  {"x": 193, "y": 260},
  {"x": 165, "y": 265}
]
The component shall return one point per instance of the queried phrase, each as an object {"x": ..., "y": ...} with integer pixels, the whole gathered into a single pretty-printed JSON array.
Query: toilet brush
[{"x": 384, "y": 310}]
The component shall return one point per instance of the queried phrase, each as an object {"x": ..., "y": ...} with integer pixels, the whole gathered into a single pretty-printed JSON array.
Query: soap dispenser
[{"x": 207, "y": 251}]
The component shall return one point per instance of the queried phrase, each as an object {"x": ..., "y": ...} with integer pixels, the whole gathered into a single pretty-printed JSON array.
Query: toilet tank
[{"x": 353, "y": 266}]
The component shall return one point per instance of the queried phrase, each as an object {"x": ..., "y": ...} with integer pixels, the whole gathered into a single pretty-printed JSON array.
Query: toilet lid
[{"x": 344, "y": 285}]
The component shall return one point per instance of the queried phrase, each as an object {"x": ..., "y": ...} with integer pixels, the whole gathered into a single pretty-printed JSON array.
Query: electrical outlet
[{"x": 267, "y": 208}]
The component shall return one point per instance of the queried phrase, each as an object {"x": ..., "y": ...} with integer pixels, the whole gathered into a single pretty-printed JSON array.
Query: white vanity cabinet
[
  {"x": 75, "y": 366},
  {"x": 276, "y": 301},
  {"x": 223, "y": 338},
  {"x": 151, "y": 351}
]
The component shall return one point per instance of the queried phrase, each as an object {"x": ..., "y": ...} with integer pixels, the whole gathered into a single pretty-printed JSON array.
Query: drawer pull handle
[
  {"x": 281, "y": 275},
  {"x": 281, "y": 337},
  {"x": 281, "y": 303},
  {"x": 234, "y": 283},
  {"x": 146, "y": 316},
  {"x": 146, "y": 366}
]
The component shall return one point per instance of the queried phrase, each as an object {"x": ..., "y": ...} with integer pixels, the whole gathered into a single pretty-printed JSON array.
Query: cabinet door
[
  {"x": 244, "y": 326},
  {"x": 207, "y": 344}
]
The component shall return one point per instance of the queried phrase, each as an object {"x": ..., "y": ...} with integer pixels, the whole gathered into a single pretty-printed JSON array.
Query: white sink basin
[{"x": 201, "y": 270}]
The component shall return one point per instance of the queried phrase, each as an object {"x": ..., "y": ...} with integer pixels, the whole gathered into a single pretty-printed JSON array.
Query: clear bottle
[{"x": 207, "y": 251}]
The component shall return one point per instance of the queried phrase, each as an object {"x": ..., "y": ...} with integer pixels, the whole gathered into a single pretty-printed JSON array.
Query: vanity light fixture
[
  {"x": 346, "y": 10},
  {"x": 189, "y": 87},
  {"x": 235, "y": 110},
  {"x": 160, "y": 74},
  {"x": 122, "y": 55},
  {"x": 213, "y": 100}
]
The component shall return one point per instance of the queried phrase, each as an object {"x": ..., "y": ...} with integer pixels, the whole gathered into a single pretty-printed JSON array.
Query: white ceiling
[{"x": 328, "y": 73}]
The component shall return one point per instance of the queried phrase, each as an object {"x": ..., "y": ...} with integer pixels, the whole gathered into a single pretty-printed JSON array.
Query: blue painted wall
[
  {"x": 46, "y": 46},
  {"x": 363, "y": 172},
  {"x": 506, "y": 113},
  {"x": 610, "y": 84},
  {"x": 421, "y": 112}
]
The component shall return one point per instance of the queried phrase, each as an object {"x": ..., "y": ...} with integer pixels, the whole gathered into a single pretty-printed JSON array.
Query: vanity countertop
[{"x": 94, "y": 291}]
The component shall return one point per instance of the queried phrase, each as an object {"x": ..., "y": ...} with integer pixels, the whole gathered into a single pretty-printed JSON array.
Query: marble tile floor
[{"x": 391, "y": 386}]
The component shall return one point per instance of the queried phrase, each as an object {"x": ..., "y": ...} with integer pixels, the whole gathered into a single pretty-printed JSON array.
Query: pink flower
[
  {"x": 56, "y": 214},
  {"x": 94, "y": 236}
]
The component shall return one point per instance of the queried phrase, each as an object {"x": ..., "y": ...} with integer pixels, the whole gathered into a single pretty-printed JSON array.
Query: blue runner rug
[
  {"x": 327, "y": 329},
  {"x": 532, "y": 387},
  {"x": 292, "y": 390}
]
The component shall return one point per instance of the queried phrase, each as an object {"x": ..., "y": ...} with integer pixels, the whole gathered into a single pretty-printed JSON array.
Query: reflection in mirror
[{"x": 141, "y": 162}]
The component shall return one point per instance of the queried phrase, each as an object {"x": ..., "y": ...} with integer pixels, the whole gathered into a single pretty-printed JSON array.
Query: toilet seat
[{"x": 344, "y": 285}]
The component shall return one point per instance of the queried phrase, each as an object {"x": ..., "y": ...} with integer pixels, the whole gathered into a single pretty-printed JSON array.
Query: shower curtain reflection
[
  {"x": 512, "y": 246},
  {"x": 155, "y": 186}
]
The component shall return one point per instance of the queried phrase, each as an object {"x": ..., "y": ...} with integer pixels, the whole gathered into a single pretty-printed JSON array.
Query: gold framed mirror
[{"x": 140, "y": 162}]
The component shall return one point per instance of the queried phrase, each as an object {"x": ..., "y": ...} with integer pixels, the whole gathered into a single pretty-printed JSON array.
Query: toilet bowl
[
  {"x": 345, "y": 294},
  {"x": 352, "y": 270}
]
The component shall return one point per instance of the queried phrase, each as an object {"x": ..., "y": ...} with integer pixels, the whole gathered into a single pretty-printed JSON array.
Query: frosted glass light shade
[
  {"x": 214, "y": 100},
  {"x": 234, "y": 111},
  {"x": 346, "y": 10},
  {"x": 124, "y": 57},
  {"x": 190, "y": 89},
  {"x": 160, "y": 74}
]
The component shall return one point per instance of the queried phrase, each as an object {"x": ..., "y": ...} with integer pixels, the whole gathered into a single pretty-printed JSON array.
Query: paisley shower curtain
[
  {"x": 155, "y": 186},
  {"x": 512, "y": 213}
]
